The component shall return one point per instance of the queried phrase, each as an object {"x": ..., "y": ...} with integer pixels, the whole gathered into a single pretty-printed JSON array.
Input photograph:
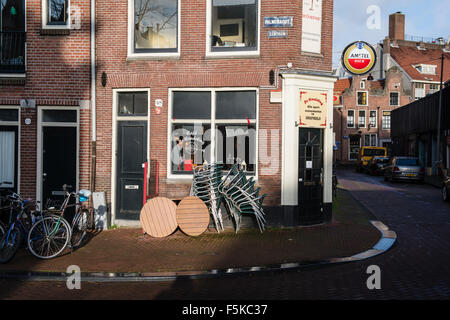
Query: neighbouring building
[
  {"x": 181, "y": 83},
  {"x": 415, "y": 131},
  {"x": 405, "y": 71},
  {"x": 44, "y": 96},
  {"x": 419, "y": 59},
  {"x": 362, "y": 112}
]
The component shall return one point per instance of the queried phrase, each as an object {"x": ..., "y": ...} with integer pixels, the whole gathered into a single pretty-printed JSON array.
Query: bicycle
[
  {"x": 81, "y": 220},
  {"x": 47, "y": 236}
]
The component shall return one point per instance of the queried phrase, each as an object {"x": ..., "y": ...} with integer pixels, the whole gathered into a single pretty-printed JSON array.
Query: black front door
[
  {"x": 310, "y": 188},
  {"x": 131, "y": 155},
  {"x": 59, "y": 167}
]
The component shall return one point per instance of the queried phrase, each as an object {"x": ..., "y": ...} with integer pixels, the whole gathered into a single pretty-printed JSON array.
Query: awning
[{"x": 221, "y": 3}]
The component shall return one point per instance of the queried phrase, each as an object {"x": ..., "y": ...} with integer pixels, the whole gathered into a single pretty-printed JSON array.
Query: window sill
[
  {"x": 55, "y": 31},
  {"x": 233, "y": 55},
  {"x": 180, "y": 179},
  {"x": 153, "y": 56},
  {"x": 12, "y": 79},
  {"x": 312, "y": 54}
]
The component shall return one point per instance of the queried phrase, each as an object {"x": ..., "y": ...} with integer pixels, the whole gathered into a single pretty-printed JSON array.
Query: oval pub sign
[{"x": 359, "y": 58}]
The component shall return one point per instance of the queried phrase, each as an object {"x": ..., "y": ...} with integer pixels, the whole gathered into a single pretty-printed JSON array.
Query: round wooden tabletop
[
  {"x": 159, "y": 218},
  {"x": 192, "y": 216}
]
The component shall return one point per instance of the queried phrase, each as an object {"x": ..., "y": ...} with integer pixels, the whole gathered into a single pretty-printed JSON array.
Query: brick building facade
[
  {"x": 44, "y": 96},
  {"x": 172, "y": 61},
  {"x": 167, "y": 74},
  {"x": 362, "y": 112}
]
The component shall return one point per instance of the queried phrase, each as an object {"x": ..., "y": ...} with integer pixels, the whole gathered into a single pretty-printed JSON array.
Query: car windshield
[
  {"x": 373, "y": 152},
  {"x": 407, "y": 162}
]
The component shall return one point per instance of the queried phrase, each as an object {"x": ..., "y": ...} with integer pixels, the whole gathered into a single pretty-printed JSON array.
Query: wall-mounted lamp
[
  {"x": 104, "y": 79},
  {"x": 271, "y": 77}
]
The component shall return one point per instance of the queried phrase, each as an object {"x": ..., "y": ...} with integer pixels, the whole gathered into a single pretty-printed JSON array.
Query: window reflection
[{"x": 156, "y": 24}]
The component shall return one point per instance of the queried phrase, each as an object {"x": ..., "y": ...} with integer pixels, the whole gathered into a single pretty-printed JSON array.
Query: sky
[{"x": 424, "y": 18}]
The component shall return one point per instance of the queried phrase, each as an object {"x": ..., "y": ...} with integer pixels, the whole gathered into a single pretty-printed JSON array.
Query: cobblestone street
[{"x": 417, "y": 267}]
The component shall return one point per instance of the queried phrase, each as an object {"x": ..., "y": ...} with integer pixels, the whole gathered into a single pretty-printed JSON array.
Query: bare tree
[{"x": 144, "y": 7}]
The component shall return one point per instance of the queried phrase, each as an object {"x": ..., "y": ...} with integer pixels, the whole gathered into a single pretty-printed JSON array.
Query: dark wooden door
[
  {"x": 310, "y": 185},
  {"x": 131, "y": 155},
  {"x": 59, "y": 162}
]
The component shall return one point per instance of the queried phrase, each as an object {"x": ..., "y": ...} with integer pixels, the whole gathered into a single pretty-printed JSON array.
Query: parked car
[
  {"x": 365, "y": 156},
  {"x": 377, "y": 165},
  {"x": 405, "y": 169},
  {"x": 446, "y": 189}
]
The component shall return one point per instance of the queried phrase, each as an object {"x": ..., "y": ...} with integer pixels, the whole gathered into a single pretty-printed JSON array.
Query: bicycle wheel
[
  {"x": 48, "y": 237},
  {"x": 2, "y": 229},
  {"x": 9, "y": 243},
  {"x": 80, "y": 225}
]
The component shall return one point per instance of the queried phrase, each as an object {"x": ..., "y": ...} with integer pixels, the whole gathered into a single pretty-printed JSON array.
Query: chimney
[{"x": 397, "y": 26}]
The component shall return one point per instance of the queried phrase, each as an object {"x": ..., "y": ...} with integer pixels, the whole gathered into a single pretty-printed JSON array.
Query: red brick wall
[
  {"x": 57, "y": 74},
  {"x": 192, "y": 69}
]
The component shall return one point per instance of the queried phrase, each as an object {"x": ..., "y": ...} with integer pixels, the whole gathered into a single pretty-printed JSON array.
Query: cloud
[{"x": 423, "y": 18}]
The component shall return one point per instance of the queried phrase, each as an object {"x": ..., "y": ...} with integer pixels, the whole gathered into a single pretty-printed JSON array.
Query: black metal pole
[{"x": 438, "y": 147}]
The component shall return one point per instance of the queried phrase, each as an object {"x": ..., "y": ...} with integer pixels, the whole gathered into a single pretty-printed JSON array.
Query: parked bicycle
[
  {"x": 81, "y": 220},
  {"x": 47, "y": 236}
]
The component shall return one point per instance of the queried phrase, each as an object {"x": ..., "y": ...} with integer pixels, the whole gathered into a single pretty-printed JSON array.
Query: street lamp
[{"x": 438, "y": 146}]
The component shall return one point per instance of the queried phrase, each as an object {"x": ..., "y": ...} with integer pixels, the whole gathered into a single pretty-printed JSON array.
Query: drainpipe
[{"x": 93, "y": 100}]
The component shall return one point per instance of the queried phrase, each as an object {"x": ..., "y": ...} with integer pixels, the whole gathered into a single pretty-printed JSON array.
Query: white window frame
[
  {"x": 354, "y": 118},
  {"x": 376, "y": 118},
  {"x": 230, "y": 54},
  {"x": 45, "y": 24},
  {"x": 419, "y": 87},
  {"x": 370, "y": 135},
  {"x": 367, "y": 98},
  {"x": 213, "y": 122},
  {"x": 12, "y": 124},
  {"x": 350, "y": 148},
  {"x": 382, "y": 120},
  {"x": 398, "y": 99},
  {"x": 116, "y": 118},
  {"x": 365, "y": 119},
  {"x": 131, "y": 55}
]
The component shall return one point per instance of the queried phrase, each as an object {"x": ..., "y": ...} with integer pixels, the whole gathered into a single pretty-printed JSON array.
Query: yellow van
[{"x": 366, "y": 154}]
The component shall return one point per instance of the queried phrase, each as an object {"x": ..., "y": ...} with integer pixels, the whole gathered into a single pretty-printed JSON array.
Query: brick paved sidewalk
[{"x": 128, "y": 250}]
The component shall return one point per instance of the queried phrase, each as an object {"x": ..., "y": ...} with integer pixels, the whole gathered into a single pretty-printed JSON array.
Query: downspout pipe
[{"x": 93, "y": 100}]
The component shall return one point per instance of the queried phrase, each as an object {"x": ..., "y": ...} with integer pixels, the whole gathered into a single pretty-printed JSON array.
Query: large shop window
[
  {"x": 155, "y": 25},
  {"x": 234, "y": 25},
  {"x": 199, "y": 135}
]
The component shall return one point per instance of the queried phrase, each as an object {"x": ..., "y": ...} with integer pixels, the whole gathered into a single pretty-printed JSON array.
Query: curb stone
[{"x": 387, "y": 240}]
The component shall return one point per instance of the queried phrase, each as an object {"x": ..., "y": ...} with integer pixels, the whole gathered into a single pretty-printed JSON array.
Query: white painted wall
[{"x": 292, "y": 84}]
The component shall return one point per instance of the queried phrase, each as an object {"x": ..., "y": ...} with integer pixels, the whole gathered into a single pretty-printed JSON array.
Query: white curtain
[
  {"x": 219, "y": 3},
  {"x": 7, "y": 157}
]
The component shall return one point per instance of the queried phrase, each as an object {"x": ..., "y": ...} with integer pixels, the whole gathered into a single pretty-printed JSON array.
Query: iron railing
[{"x": 12, "y": 51}]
